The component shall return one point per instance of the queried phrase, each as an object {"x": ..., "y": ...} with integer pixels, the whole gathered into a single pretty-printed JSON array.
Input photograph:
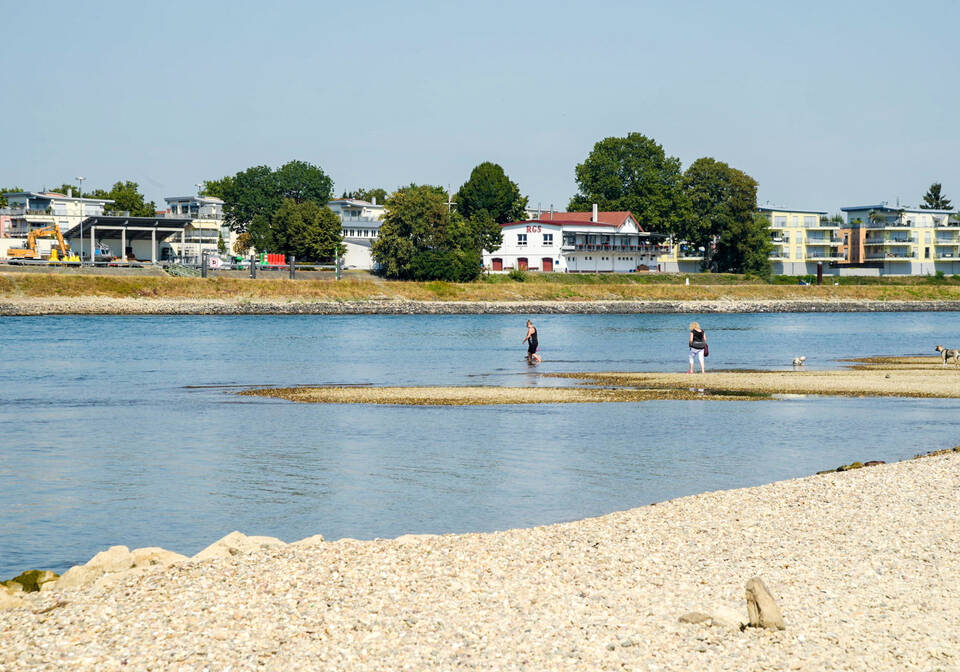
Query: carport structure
[{"x": 122, "y": 228}]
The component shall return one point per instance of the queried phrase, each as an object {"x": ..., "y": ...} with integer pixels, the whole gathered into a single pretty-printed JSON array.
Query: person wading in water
[
  {"x": 698, "y": 346},
  {"x": 532, "y": 344}
]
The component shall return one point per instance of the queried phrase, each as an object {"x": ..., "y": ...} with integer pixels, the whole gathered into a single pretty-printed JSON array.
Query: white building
[
  {"x": 28, "y": 210},
  {"x": 205, "y": 229},
  {"x": 576, "y": 242},
  {"x": 361, "y": 222}
]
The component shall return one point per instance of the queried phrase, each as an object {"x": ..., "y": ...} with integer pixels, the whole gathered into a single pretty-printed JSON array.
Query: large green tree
[
  {"x": 490, "y": 190},
  {"x": 306, "y": 229},
  {"x": 421, "y": 238},
  {"x": 744, "y": 246},
  {"x": 934, "y": 198},
  {"x": 364, "y": 194},
  {"x": 721, "y": 199},
  {"x": 633, "y": 173},
  {"x": 252, "y": 196},
  {"x": 126, "y": 197}
]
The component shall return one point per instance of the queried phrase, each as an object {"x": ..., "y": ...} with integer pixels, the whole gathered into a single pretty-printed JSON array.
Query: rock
[
  {"x": 32, "y": 580},
  {"x": 78, "y": 576},
  {"x": 315, "y": 540},
  {"x": 113, "y": 559},
  {"x": 10, "y": 601},
  {"x": 695, "y": 617},
  {"x": 727, "y": 617},
  {"x": 413, "y": 538},
  {"x": 235, "y": 543},
  {"x": 761, "y": 607},
  {"x": 154, "y": 555},
  {"x": 113, "y": 578}
]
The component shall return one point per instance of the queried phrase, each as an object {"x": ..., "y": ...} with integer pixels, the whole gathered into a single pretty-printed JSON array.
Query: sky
[{"x": 825, "y": 104}]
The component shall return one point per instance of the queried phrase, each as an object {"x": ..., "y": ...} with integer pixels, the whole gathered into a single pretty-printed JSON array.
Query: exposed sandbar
[
  {"x": 474, "y": 396},
  {"x": 873, "y": 377}
]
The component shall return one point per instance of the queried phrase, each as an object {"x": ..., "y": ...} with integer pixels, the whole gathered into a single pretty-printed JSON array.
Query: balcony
[
  {"x": 904, "y": 240},
  {"x": 892, "y": 256}
]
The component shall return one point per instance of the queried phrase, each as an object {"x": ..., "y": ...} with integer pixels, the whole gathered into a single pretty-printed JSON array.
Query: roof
[
  {"x": 772, "y": 208},
  {"x": 614, "y": 219},
  {"x": 204, "y": 199},
  {"x": 54, "y": 194},
  {"x": 898, "y": 208},
  {"x": 166, "y": 226},
  {"x": 356, "y": 201}
]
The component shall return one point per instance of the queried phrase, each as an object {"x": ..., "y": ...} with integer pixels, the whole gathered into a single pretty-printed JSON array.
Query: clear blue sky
[{"x": 824, "y": 103}]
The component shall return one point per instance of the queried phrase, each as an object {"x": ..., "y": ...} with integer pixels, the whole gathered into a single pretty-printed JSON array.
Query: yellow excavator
[{"x": 60, "y": 253}]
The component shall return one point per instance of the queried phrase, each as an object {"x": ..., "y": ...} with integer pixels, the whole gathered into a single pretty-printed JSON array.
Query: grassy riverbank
[{"x": 536, "y": 287}]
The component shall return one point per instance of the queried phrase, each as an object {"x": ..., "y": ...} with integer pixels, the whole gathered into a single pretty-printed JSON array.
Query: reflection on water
[{"x": 125, "y": 430}]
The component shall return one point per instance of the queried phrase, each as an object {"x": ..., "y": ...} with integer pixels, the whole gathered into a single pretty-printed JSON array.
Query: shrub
[
  {"x": 447, "y": 265},
  {"x": 517, "y": 275}
]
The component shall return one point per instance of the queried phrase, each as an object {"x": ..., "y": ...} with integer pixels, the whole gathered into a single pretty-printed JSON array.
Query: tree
[
  {"x": 310, "y": 231},
  {"x": 719, "y": 198},
  {"x": 242, "y": 244},
  {"x": 252, "y": 196},
  {"x": 369, "y": 195},
  {"x": 744, "y": 246},
  {"x": 9, "y": 190},
  {"x": 221, "y": 244},
  {"x": 420, "y": 237},
  {"x": 934, "y": 199},
  {"x": 490, "y": 190},
  {"x": 633, "y": 173},
  {"x": 126, "y": 197},
  {"x": 67, "y": 189}
]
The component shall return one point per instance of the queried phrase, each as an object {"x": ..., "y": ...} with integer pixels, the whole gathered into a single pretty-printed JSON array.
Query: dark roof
[{"x": 167, "y": 226}]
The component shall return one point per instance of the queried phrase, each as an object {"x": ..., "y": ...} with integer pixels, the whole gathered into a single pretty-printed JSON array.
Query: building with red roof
[{"x": 577, "y": 242}]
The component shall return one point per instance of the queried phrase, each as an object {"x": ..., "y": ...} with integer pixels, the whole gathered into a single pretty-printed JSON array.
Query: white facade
[
  {"x": 28, "y": 210},
  {"x": 604, "y": 242},
  {"x": 205, "y": 229},
  {"x": 361, "y": 222}
]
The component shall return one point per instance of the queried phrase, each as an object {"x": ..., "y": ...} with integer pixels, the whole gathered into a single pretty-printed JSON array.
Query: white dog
[{"x": 798, "y": 361}]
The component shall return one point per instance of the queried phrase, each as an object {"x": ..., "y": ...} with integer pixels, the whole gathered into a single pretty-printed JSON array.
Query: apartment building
[
  {"x": 28, "y": 210},
  {"x": 361, "y": 222},
  {"x": 903, "y": 241},
  {"x": 802, "y": 239},
  {"x": 204, "y": 231}
]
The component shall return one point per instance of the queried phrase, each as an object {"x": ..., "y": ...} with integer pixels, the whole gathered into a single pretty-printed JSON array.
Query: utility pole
[{"x": 80, "y": 196}]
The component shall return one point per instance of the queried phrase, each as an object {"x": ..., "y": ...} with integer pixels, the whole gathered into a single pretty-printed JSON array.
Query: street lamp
[{"x": 80, "y": 196}]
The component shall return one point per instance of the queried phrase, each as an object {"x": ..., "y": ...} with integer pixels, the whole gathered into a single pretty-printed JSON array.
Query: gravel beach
[
  {"x": 107, "y": 305},
  {"x": 863, "y": 564}
]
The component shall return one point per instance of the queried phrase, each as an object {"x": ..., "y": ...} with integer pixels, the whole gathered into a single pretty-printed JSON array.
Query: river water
[{"x": 126, "y": 430}]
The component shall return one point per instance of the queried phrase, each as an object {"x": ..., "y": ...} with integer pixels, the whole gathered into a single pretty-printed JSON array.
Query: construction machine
[{"x": 30, "y": 251}]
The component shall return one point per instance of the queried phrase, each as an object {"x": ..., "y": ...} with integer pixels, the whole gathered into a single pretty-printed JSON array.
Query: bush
[
  {"x": 447, "y": 265},
  {"x": 517, "y": 275}
]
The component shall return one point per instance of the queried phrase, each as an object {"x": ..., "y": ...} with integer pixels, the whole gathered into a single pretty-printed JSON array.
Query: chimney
[
  {"x": 373, "y": 200},
  {"x": 594, "y": 218},
  {"x": 69, "y": 192}
]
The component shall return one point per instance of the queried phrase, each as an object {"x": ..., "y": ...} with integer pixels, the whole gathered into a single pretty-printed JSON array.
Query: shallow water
[{"x": 124, "y": 430}]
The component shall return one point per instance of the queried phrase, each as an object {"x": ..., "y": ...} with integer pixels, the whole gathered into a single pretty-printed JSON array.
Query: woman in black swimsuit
[{"x": 533, "y": 344}]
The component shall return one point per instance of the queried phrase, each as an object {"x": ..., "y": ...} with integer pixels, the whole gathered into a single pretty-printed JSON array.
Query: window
[
  {"x": 521, "y": 240},
  {"x": 797, "y": 253},
  {"x": 780, "y": 220},
  {"x": 809, "y": 220},
  {"x": 795, "y": 220},
  {"x": 547, "y": 239}
]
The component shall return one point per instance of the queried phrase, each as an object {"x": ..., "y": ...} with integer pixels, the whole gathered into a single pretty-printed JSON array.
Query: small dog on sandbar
[
  {"x": 948, "y": 355},
  {"x": 798, "y": 361}
]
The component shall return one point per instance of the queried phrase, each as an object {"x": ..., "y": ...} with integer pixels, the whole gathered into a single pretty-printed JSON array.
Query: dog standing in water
[{"x": 533, "y": 344}]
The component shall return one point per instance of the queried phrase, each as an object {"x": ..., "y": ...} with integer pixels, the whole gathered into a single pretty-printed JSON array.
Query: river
[{"x": 126, "y": 430}]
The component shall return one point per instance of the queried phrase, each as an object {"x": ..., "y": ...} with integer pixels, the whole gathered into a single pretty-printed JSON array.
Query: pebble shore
[
  {"x": 102, "y": 305},
  {"x": 863, "y": 565}
]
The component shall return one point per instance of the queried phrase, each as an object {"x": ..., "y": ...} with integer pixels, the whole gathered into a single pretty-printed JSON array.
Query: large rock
[
  {"x": 154, "y": 555},
  {"x": 113, "y": 578},
  {"x": 236, "y": 543},
  {"x": 315, "y": 540},
  {"x": 727, "y": 617},
  {"x": 77, "y": 577},
  {"x": 10, "y": 601},
  {"x": 761, "y": 607},
  {"x": 32, "y": 580},
  {"x": 114, "y": 559}
]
